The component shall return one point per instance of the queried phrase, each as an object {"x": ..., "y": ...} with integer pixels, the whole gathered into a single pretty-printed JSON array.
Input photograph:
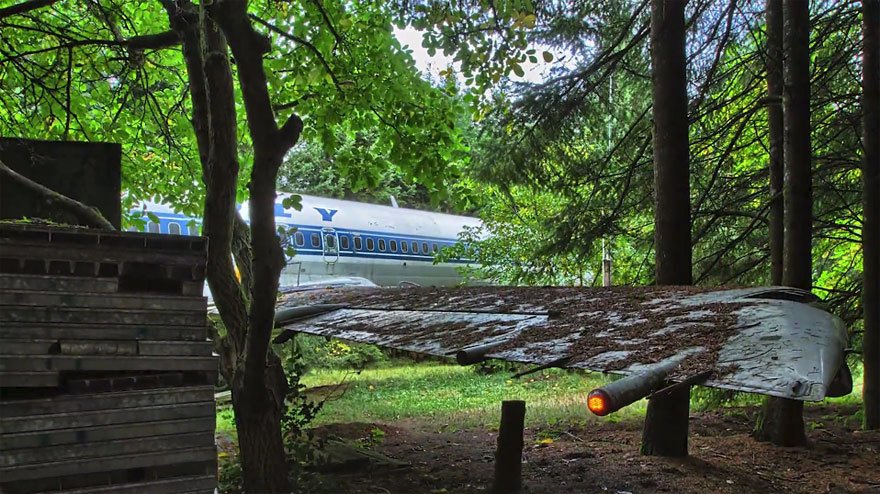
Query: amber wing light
[{"x": 597, "y": 402}]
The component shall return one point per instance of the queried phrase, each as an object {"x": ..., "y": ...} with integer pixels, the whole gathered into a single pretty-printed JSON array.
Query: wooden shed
[{"x": 106, "y": 371}]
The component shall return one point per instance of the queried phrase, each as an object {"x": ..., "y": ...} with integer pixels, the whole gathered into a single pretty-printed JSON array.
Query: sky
[{"x": 432, "y": 65}]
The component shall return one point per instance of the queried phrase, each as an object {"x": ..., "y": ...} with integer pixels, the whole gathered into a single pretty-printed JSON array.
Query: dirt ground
[{"x": 604, "y": 458}]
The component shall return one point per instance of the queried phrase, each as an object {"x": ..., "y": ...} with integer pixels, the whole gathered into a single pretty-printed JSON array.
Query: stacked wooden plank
[{"x": 106, "y": 373}]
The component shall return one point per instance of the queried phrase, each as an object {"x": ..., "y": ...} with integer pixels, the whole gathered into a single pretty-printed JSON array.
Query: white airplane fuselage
[{"x": 335, "y": 238}]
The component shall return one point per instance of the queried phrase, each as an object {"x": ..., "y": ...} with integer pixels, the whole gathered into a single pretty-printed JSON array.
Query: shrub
[{"x": 318, "y": 352}]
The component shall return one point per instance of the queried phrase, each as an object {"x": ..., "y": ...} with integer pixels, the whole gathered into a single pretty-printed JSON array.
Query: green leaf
[
  {"x": 294, "y": 201},
  {"x": 517, "y": 69},
  {"x": 548, "y": 57}
]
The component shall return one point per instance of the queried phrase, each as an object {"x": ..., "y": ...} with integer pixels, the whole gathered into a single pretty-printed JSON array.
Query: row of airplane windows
[
  {"x": 173, "y": 228},
  {"x": 345, "y": 243},
  {"x": 357, "y": 243}
]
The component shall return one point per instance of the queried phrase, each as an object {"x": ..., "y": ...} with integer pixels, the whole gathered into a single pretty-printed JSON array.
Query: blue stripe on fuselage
[{"x": 165, "y": 219}]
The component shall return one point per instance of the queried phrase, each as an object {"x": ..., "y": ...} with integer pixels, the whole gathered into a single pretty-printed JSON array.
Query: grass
[
  {"x": 454, "y": 397},
  {"x": 449, "y": 396}
]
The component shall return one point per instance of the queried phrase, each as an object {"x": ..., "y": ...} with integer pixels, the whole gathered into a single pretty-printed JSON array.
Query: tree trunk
[
  {"x": 258, "y": 382},
  {"x": 258, "y": 413},
  {"x": 775, "y": 84},
  {"x": 672, "y": 210},
  {"x": 871, "y": 198},
  {"x": 783, "y": 422},
  {"x": 665, "y": 431}
]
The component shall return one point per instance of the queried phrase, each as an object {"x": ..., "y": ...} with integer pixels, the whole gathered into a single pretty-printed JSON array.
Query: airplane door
[{"x": 330, "y": 245}]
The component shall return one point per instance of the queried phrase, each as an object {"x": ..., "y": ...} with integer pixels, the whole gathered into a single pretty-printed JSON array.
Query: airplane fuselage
[{"x": 335, "y": 238}]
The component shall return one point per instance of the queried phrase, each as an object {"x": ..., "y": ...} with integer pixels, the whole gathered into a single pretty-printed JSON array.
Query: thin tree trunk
[
  {"x": 782, "y": 422},
  {"x": 798, "y": 270},
  {"x": 871, "y": 198},
  {"x": 666, "y": 424},
  {"x": 258, "y": 413},
  {"x": 775, "y": 84},
  {"x": 258, "y": 382},
  {"x": 260, "y": 386},
  {"x": 672, "y": 211}
]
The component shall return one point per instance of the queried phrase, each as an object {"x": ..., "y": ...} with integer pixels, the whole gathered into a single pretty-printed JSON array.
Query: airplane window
[
  {"x": 370, "y": 244},
  {"x": 424, "y": 247},
  {"x": 382, "y": 244},
  {"x": 174, "y": 228},
  {"x": 153, "y": 227},
  {"x": 435, "y": 248},
  {"x": 415, "y": 247},
  {"x": 330, "y": 241},
  {"x": 358, "y": 243},
  {"x": 316, "y": 240},
  {"x": 394, "y": 245},
  {"x": 299, "y": 239},
  {"x": 193, "y": 230},
  {"x": 343, "y": 242},
  {"x": 403, "y": 247}
]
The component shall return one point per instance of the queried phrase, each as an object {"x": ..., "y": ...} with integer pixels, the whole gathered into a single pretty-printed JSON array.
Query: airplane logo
[{"x": 326, "y": 214}]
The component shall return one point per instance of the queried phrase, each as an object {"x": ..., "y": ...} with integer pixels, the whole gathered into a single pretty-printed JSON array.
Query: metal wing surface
[{"x": 764, "y": 340}]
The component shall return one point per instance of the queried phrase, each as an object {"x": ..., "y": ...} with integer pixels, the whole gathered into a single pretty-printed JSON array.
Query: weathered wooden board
[
  {"x": 97, "y": 418},
  {"x": 192, "y": 287},
  {"x": 181, "y": 348},
  {"x": 92, "y": 347},
  {"x": 57, "y": 283},
  {"x": 18, "y": 379},
  {"x": 76, "y": 466},
  {"x": 16, "y": 457},
  {"x": 36, "y": 346},
  {"x": 68, "y": 347},
  {"x": 56, "y": 332},
  {"x": 41, "y": 439},
  {"x": 104, "y": 363},
  {"x": 55, "y": 235},
  {"x": 100, "y": 401},
  {"x": 105, "y": 347},
  {"x": 135, "y": 381},
  {"x": 183, "y": 485},
  {"x": 139, "y": 301},
  {"x": 101, "y": 254},
  {"x": 77, "y": 315}
]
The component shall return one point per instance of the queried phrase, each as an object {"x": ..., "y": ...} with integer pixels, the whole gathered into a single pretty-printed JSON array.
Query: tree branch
[
  {"x": 296, "y": 39},
  {"x": 23, "y": 7},
  {"x": 87, "y": 214},
  {"x": 135, "y": 43}
]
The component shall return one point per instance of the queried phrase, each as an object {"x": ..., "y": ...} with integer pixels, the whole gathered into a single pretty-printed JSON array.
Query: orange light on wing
[{"x": 598, "y": 402}]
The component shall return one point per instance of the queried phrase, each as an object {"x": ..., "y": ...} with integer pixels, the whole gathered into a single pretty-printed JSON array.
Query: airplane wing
[{"x": 769, "y": 340}]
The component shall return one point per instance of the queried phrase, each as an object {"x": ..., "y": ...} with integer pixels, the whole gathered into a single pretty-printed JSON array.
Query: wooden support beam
[
  {"x": 508, "y": 455},
  {"x": 665, "y": 432}
]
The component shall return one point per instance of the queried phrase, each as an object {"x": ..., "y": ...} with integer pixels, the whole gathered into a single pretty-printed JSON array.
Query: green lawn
[
  {"x": 448, "y": 396},
  {"x": 455, "y": 396},
  {"x": 451, "y": 396}
]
